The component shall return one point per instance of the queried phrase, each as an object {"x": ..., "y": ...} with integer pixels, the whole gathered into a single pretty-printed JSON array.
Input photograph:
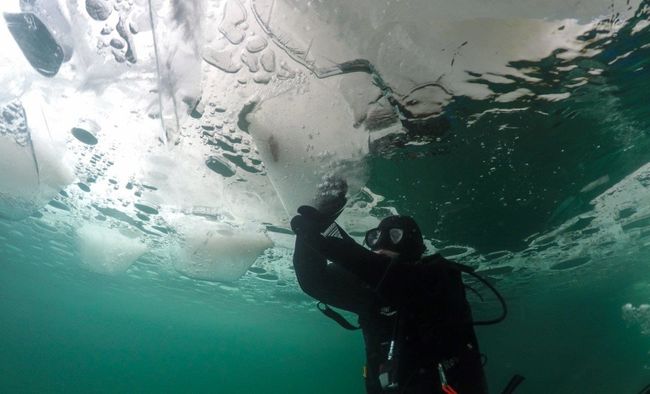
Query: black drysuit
[{"x": 423, "y": 300}]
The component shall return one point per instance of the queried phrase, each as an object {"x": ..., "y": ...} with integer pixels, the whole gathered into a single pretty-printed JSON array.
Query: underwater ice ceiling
[{"x": 181, "y": 135}]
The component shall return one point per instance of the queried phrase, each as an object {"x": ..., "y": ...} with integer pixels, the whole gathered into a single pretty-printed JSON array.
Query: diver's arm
[
  {"x": 396, "y": 283},
  {"x": 346, "y": 253},
  {"x": 407, "y": 285},
  {"x": 328, "y": 283}
]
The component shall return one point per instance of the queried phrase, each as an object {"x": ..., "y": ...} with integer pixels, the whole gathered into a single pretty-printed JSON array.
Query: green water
[
  {"x": 65, "y": 336},
  {"x": 90, "y": 335}
]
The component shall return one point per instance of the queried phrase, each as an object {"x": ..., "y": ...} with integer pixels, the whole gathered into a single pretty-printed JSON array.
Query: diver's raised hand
[{"x": 310, "y": 220}]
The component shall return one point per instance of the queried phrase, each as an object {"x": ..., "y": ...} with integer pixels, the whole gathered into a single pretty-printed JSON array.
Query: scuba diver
[{"x": 416, "y": 322}]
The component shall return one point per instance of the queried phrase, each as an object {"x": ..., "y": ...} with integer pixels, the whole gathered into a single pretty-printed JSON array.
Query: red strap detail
[{"x": 448, "y": 389}]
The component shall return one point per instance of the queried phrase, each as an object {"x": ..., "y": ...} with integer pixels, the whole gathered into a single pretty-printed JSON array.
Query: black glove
[{"x": 310, "y": 221}]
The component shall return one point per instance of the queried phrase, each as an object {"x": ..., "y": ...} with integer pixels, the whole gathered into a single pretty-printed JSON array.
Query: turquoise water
[
  {"x": 81, "y": 333},
  {"x": 543, "y": 185},
  {"x": 84, "y": 335}
]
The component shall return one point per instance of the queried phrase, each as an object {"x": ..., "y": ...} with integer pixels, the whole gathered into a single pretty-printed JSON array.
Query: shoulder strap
[{"x": 332, "y": 314}]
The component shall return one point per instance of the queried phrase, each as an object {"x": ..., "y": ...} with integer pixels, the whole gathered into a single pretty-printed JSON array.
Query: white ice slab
[
  {"x": 217, "y": 252},
  {"x": 306, "y": 135},
  {"x": 107, "y": 250}
]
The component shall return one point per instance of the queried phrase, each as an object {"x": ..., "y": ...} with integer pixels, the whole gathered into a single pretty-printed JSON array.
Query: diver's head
[{"x": 397, "y": 234}]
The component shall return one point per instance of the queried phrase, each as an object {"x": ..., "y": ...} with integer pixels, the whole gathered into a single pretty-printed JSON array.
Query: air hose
[{"x": 504, "y": 307}]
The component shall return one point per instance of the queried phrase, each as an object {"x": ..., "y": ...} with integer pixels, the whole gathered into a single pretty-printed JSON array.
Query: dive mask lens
[
  {"x": 372, "y": 237},
  {"x": 396, "y": 235}
]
